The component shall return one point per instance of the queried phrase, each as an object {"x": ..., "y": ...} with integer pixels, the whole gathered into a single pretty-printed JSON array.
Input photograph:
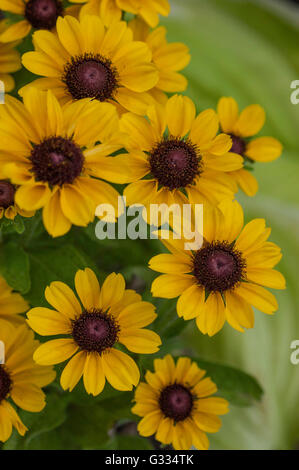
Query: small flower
[
  {"x": 36, "y": 14},
  {"x": 87, "y": 60},
  {"x": 9, "y": 59},
  {"x": 176, "y": 405},
  {"x": 174, "y": 154},
  {"x": 111, "y": 315},
  {"x": 49, "y": 152},
  {"x": 8, "y": 208},
  {"x": 224, "y": 278},
  {"x": 169, "y": 58},
  {"x": 242, "y": 127},
  {"x": 21, "y": 379},
  {"x": 11, "y": 304}
]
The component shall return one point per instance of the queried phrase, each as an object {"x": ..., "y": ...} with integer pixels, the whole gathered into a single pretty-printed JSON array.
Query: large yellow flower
[
  {"x": 48, "y": 152},
  {"x": 169, "y": 58},
  {"x": 86, "y": 60},
  {"x": 111, "y": 315},
  {"x": 225, "y": 277},
  {"x": 242, "y": 127},
  {"x": 111, "y": 10},
  {"x": 21, "y": 379},
  {"x": 178, "y": 154},
  {"x": 10, "y": 60},
  {"x": 176, "y": 405},
  {"x": 11, "y": 304}
]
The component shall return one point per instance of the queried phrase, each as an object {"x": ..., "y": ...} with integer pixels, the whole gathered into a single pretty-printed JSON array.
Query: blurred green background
[{"x": 249, "y": 50}]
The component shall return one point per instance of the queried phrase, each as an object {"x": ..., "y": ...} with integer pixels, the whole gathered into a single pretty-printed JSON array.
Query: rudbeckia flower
[
  {"x": 111, "y": 10},
  {"x": 109, "y": 316},
  {"x": 173, "y": 153},
  {"x": 223, "y": 279},
  {"x": 242, "y": 128},
  {"x": 47, "y": 150},
  {"x": 21, "y": 379},
  {"x": 36, "y": 14},
  {"x": 11, "y": 304},
  {"x": 8, "y": 208},
  {"x": 169, "y": 58},
  {"x": 10, "y": 60},
  {"x": 176, "y": 404},
  {"x": 87, "y": 60}
]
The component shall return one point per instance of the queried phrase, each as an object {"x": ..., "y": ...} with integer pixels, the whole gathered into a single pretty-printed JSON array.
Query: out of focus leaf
[{"x": 14, "y": 266}]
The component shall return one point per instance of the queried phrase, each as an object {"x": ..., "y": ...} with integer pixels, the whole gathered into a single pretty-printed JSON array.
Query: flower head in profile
[
  {"x": 11, "y": 304},
  {"x": 169, "y": 58},
  {"x": 9, "y": 59},
  {"x": 175, "y": 156},
  {"x": 111, "y": 10},
  {"x": 242, "y": 128},
  {"x": 21, "y": 379},
  {"x": 48, "y": 152},
  {"x": 8, "y": 207},
  {"x": 33, "y": 14},
  {"x": 223, "y": 279},
  {"x": 176, "y": 404},
  {"x": 87, "y": 60},
  {"x": 109, "y": 316}
]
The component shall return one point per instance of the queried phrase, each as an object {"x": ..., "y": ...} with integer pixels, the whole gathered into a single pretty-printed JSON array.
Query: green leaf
[{"x": 14, "y": 266}]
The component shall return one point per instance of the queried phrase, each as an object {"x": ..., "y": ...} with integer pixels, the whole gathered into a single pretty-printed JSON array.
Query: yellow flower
[
  {"x": 110, "y": 315},
  {"x": 36, "y": 14},
  {"x": 242, "y": 127},
  {"x": 177, "y": 153},
  {"x": 8, "y": 208},
  {"x": 111, "y": 10},
  {"x": 46, "y": 155},
  {"x": 10, "y": 60},
  {"x": 225, "y": 277},
  {"x": 11, "y": 304},
  {"x": 21, "y": 379},
  {"x": 87, "y": 60},
  {"x": 176, "y": 405},
  {"x": 169, "y": 58}
]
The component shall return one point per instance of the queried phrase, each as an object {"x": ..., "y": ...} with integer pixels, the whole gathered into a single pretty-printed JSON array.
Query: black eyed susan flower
[
  {"x": 47, "y": 150},
  {"x": 242, "y": 128},
  {"x": 169, "y": 58},
  {"x": 223, "y": 279},
  {"x": 110, "y": 315},
  {"x": 34, "y": 14},
  {"x": 176, "y": 404},
  {"x": 179, "y": 155},
  {"x": 11, "y": 304},
  {"x": 21, "y": 379},
  {"x": 10, "y": 60},
  {"x": 8, "y": 208},
  {"x": 87, "y": 60}
]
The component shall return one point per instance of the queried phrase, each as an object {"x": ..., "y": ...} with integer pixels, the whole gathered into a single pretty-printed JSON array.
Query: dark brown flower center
[
  {"x": 5, "y": 383},
  {"x": 238, "y": 145},
  {"x": 95, "y": 331},
  {"x": 90, "y": 76},
  {"x": 176, "y": 402},
  {"x": 57, "y": 161},
  {"x": 175, "y": 163},
  {"x": 218, "y": 267},
  {"x": 42, "y": 14},
  {"x": 7, "y": 194}
]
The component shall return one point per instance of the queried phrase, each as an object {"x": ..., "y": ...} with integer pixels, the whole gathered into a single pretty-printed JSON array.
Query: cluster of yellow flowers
[{"x": 105, "y": 90}]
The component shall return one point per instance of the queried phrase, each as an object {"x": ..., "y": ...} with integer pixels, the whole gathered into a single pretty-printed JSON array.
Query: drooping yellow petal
[
  {"x": 258, "y": 297},
  {"x": 93, "y": 376},
  {"x": 180, "y": 115},
  {"x": 228, "y": 113},
  {"x": 120, "y": 370},
  {"x": 190, "y": 303},
  {"x": 73, "y": 371}
]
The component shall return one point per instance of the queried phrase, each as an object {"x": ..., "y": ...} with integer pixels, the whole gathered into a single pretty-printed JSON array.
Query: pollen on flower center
[
  {"x": 95, "y": 331},
  {"x": 57, "y": 161},
  {"x": 175, "y": 163},
  {"x": 90, "y": 76},
  {"x": 7, "y": 194},
  {"x": 42, "y": 14},
  {"x": 176, "y": 402},
  {"x": 5, "y": 383},
  {"x": 218, "y": 266}
]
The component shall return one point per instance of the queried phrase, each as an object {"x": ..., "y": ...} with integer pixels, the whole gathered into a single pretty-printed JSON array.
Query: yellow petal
[
  {"x": 250, "y": 122},
  {"x": 112, "y": 291},
  {"x": 88, "y": 288},
  {"x": 63, "y": 299},
  {"x": 258, "y": 297},
  {"x": 204, "y": 128},
  {"x": 212, "y": 317},
  {"x": 190, "y": 303},
  {"x": 32, "y": 196},
  {"x": 75, "y": 206},
  {"x": 70, "y": 35},
  {"x": 29, "y": 397},
  {"x": 48, "y": 322},
  {"x": 180, "y": 114},
  {"x": 228, "y": 113},
  {"x": 55, "y": 351},
  {"x": 120, "y": 370},
  {"x": 149, "y": 424},
  {"x": 136, "y": 315},
  {"x": 16, "y": 31},
  {"x": 214, "y": 405},
  {"x": 207, "y": 422},
  {"x": 140, "y": 341},
  {"x": 55, "y": 222},
  {"x": 264, "y": 149},
  {"x": 171, "y": 264},
  {"x": 73, "y": 371},
  {"x": 93, "y": 377},
  {"x": 266, "y": 277},
  {"x": 170, "y": 286}
]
